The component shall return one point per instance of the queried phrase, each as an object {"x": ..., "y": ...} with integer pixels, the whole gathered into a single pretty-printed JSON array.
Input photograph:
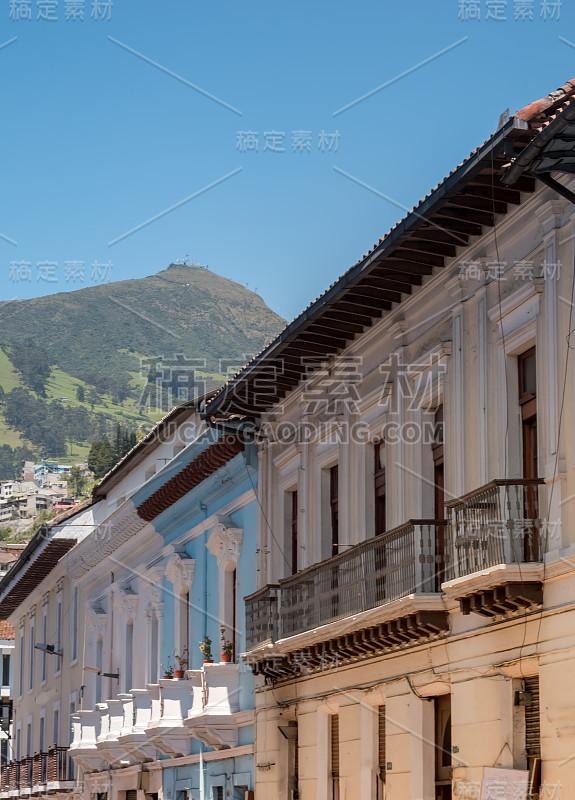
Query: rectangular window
[
  {"x": 381, "y": 752},
  {"x": 380, "y": 489},
  {"x": 56, "y": 736},
  {"x": 74, "y": 626},
  {"x": 528, "y": 406},
  {"x": 334, "y": 753},
  {"x": 58, "y": 664},
  {"x": 443, "y": 747},
  {"x": 43, "y": 657},
  {"x": 21, "y": 663},
  {"x": 334, "y": 508},
  {"x": 31, "y": 658},
  {"x": 292, "y": 498},
  {"x": 5, "y": 670},
  {"x": 18, "y": 744}
]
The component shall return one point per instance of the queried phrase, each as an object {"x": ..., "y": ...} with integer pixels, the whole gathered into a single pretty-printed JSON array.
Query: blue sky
[{"x": 96, "y": 140}]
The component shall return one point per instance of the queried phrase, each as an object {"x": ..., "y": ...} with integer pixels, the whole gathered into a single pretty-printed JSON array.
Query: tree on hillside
[
  {"x": 76, "y": 481},
  {"x": 33, "y": 364},
  {"x": 80, "y": 394},
  {"x": 101, "y": 458}
]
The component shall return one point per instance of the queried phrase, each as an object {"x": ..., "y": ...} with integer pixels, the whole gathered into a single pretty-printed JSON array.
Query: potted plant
[
  {"x": 206, "y": 648},
  {"x": 183, "y": 662},
  {"x": 168, "y": 669},
  {"x": 227, "y": 647}
]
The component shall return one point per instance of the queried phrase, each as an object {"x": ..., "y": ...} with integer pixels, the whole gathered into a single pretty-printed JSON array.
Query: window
[
  {"x": 70, "y": 737},
  {"x": 56, "y": 736},
  {"x": 18, "y": 744},
  {"x": 334, "y": 753},
  {"x": 380, "y": 488},
  {"x": 292, "y": 508},
  {"x": 528, "y": 406},
  {"x": 381, "y": 752},
  {"x": 32, "y": 640},
  {"x": 43, "y": 658},
  {"x": 128, "y": 680},
  {"x": 21, "y": 662},
  {"x": 154, "y": 634},
  {"x": 5, "y": 670},
  {"x": 443, "y": 747},
  {"x": 58, "y": 664},
  {"x": 184, "y": 643},
  {"x": 99, "y": 665},
  {"x": 74, "y": 626},
  {"x": 334, "y": 508}
]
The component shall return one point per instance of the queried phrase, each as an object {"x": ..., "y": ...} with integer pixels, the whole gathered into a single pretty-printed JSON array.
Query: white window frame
[
  {"x": 58, "y": 632},
  {"x": 43, "y": 657},
  {"x": 56, "y": 728},
  {"x": 21, "y": 652},
  {"x": 31, "y": 665},
  {"x": 74, "y": 625}
]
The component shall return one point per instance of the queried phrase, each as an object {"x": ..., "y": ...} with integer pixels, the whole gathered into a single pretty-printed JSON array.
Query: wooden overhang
[
  {"x": 463, "y": 206},
  {"x": 34, "y": 573},
  {"x": 201, "y": 467},
  {"x": 552, "y": 150},
  {"x": 417, "y": 628},
  {"x": 503, "y": 600}
]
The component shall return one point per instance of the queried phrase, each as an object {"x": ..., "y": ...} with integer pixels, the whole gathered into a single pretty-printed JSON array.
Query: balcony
[
  {"x": 162, "y": 718},
  {"x": 43, "y": 772},
  {"x": 406, "y": 563},
  {"x": 495, "y": 547}
]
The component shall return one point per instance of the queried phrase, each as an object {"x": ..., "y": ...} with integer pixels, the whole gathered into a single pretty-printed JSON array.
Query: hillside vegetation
[{"x": 73, "y": 365}]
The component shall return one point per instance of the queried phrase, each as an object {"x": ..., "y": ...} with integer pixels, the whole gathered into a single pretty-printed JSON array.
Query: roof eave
[{"x": 411, "y": 221}]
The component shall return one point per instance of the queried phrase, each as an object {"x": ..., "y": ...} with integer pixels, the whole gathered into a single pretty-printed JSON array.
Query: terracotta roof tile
[{"x": 6, "y": 630}]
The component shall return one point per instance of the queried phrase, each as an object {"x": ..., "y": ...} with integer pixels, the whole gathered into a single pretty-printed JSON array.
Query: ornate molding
[
  {"x": 180, "y": 571},
  {"x": 126, "y": 602},
  {"x": 225, "y": 543},
  {"x": 96, "y": 620},
  {"x": 105, "y": 539}
]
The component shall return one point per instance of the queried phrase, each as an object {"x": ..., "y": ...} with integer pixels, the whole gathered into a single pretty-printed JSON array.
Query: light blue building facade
[{"x": 170, "y": 565}]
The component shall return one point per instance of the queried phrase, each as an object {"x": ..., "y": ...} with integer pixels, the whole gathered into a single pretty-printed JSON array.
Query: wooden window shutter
[
  {"x": 131, "y": 794},
  {"x": 381, "y": 740},
  {"x": 532, "y": 725},
  {"x": 335, "y": 745}
]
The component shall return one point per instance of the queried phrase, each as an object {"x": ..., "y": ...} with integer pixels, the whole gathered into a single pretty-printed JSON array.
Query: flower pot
[
  {"x": 168, "y": 677},
  {"x": 208, "y": 660},
  {"x": 226, "y": 658},
  {"x": 179, "y": 674}
]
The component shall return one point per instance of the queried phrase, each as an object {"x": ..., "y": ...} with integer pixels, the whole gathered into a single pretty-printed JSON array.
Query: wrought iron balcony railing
[
  {"x": 499, "y": 523},
  {"x": 41, "y": 768},
  {"x": 407, "y": 560},
  {"x": 262, "y": 616}
]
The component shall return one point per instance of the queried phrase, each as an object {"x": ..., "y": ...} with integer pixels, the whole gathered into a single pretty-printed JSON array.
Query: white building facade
[{"x": 413, "y": 631}]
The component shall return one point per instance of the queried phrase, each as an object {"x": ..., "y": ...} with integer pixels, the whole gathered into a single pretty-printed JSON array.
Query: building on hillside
[
  {"x": 413, "y": 628},
  {"x": 49, "y": 468},
  {"x": 113, "y": 591},
  {"x": 10, "y": 552}
]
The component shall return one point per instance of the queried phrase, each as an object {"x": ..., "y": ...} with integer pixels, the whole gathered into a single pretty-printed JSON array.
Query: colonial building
[
  {"x": 109, "y": 597},
  {"x": 413, "y": 628}
]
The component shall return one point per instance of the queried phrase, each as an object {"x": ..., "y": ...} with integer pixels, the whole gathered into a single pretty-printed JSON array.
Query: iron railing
[
  {"x": 261, "y": 616},
  {"x": 497, "y": 524},
  {"x": 36, "y": 770},
  {"x": 407, "y": 560},
  {"x": 404, "y": 561}
]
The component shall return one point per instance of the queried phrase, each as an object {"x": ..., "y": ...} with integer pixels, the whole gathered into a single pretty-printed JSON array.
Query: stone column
[{"x": 410, "y": 744}]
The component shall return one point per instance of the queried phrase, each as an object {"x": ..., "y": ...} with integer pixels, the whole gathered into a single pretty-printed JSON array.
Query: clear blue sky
[{"x": 96, "y": 140}]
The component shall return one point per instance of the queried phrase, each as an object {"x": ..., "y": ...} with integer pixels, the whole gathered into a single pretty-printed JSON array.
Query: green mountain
[{"x": 86, "y": 360}]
